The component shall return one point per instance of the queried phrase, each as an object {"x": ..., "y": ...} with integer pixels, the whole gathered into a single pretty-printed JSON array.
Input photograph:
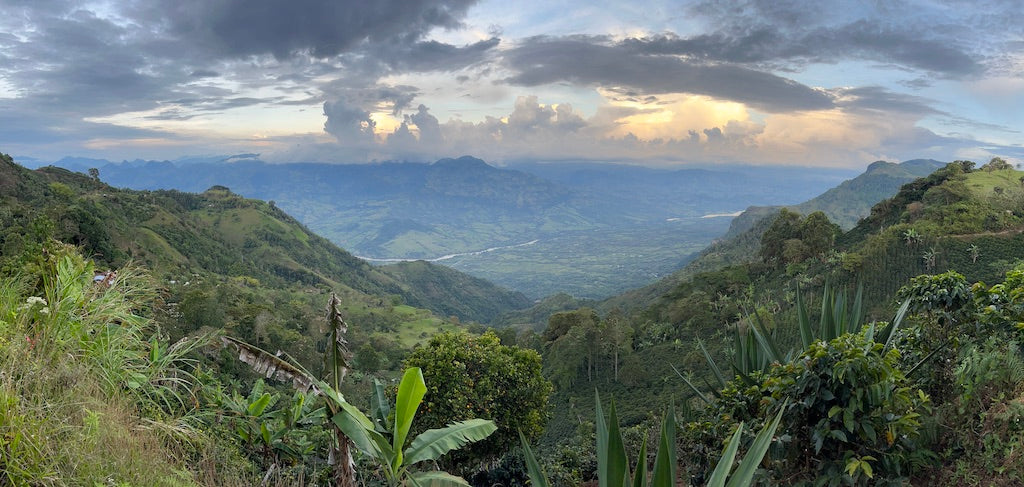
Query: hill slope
[
  {"x": 844, "y": 204},
  {"x": 218, "y": 234}
]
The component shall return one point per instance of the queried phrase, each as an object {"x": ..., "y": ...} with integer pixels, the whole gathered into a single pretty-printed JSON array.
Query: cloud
[
  {"x": 320, "y": 28},
  {"x": 595, "y": 61},
  {"x": 429, "y": 127},
  {"x": 349, "y": 123},
  {"x": 173, "y": 61},
  {"x": 929, "y": 37}
]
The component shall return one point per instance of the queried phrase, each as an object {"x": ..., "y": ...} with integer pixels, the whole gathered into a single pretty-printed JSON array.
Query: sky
[{"x": 660, "y": 83}]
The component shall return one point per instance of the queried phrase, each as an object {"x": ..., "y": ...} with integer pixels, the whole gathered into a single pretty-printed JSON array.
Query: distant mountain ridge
[{"x": 599, "y": 228}]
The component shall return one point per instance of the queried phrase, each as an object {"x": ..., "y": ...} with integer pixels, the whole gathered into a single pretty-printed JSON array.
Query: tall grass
[{"x": 87, "y": 395}]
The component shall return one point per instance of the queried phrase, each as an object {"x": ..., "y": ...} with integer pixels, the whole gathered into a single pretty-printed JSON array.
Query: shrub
[{"x": 851, "y": 415}]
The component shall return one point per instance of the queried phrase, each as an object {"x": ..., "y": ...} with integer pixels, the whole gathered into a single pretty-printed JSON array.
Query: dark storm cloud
[
  {"x": 880, "y": 99},
  {"x": 68, "y": 62},
  {"x": 858, "y": 40},
  {"x": 431, "y": 55},
  {"x": 594, "y": 61},
  {"x": 762, "y": 31},
  {"x": 322, "y": 28}
]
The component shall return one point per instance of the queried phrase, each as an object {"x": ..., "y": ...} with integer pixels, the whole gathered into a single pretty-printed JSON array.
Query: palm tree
[
  {"x": 911, "y": 236},
  {"x": 929, "y": 258},
  {"x": 974, "y": 252}
]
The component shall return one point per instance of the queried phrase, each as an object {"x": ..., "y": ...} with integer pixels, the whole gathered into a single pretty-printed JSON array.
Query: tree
[
  {"x": 818, "y": 233},
  {"x": 94, "y": 174},
  {"x": 911, "y": 236},
  {"x": 618, "y": 336},
  {"x": 368, "y": 359},
  {"x": 477, "y": 377},
  {"x": 785, "y": 226},
  {"x": 929, "y": 257},
  {"x": 997, "y": 164},
  {"x": 974, "y": 252}
]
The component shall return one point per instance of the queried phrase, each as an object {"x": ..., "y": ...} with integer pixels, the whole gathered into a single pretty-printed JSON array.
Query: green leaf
[
  {"x": 265, "y": 433},
  {"x": 745, "y": 472},
  {"x": 533, "y": 469},
  {"x": 257, "y": 407},
  {"x": 431, "y": 444},
  {"x": 379, "y": 407},
  {"x": 889, "y": 332},
  {"x": 665, "y": 460},
  {"x": 611, "y": 454},
  {"x": 851, "y": 466},
  {"x": 615, "y": 466},
  {"x": 602, "y": 439},
  {"x": 690, "y": 384},
  {"x": 806, "y": 335},
  {"x": 857, "y": 313},
  {"x": 721, "y": 472},
  {"x": 640, "y": 473},
  {"x": 866, "y": 467},
  {"x": 436, "y": 479},
  {"x": 767, "y": 343},
  {"x": 410, "y": 394},
  {"x": 869, "y": 431},
  {"x": 711, "y": 363},
  {"x": 359, "y": 429}
]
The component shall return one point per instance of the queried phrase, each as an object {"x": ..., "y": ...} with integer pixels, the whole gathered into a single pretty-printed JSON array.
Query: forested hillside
[
  {"x": 844, "y": 204},
  {"x": 959, "y": 225},
  {"x": 229, "y": 261}
]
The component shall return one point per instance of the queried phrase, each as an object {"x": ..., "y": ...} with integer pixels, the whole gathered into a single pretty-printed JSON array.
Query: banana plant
[
  {"x": 613, "y": 464},
  {"x": 275, "y": 432},
  {"x": 370, "y": 436}
]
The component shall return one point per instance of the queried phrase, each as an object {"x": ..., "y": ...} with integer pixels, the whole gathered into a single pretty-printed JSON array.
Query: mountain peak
[
  {"x": 878, "y": 165},
  {"x": 464, "y": 162}
]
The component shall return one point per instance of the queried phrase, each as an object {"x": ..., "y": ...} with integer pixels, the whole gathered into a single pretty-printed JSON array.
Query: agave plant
[
  {"x": 613, "y": 464},
  {"x": 395, "y": 459},
  {"x": 756, "y": 348}
]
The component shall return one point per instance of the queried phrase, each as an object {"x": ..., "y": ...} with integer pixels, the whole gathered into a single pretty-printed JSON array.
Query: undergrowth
[{"x": 89, "y": 394}]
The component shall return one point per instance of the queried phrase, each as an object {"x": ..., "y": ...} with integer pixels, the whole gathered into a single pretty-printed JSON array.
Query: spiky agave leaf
[
  {"x": 664, "y": 474},
  {"x": 533, "y": 468}
]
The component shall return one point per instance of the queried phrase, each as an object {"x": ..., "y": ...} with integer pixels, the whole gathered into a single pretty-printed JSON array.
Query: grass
[
  {"x": 84, "y": 400},
  {"x": 418, "y": 326},
  {"x": 983, "y": 183}
]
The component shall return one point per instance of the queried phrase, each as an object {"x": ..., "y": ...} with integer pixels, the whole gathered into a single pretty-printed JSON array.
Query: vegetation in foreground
[{"x": 931, "y": 397}]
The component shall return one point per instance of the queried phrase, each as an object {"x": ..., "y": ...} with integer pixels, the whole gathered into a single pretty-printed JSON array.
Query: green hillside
[
  {"x": 844, "y": 204},
  {"x": 227, "y": 261},
  {"x": 958, "y": 218},
  {"x": 449, "y": 292}
]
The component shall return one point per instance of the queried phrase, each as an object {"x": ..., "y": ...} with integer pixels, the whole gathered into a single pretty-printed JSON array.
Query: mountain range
[{"x": 591, "y": 230}]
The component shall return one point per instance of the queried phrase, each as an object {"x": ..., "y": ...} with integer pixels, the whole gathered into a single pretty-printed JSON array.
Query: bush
[
  {"x": 851, "y": 418},
  {"x": 477, "y": 377}
]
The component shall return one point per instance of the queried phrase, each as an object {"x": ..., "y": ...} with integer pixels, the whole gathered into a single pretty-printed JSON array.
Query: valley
[
  {"x": 600, "y": 228},
  {"x": 462, "y": 243}
]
